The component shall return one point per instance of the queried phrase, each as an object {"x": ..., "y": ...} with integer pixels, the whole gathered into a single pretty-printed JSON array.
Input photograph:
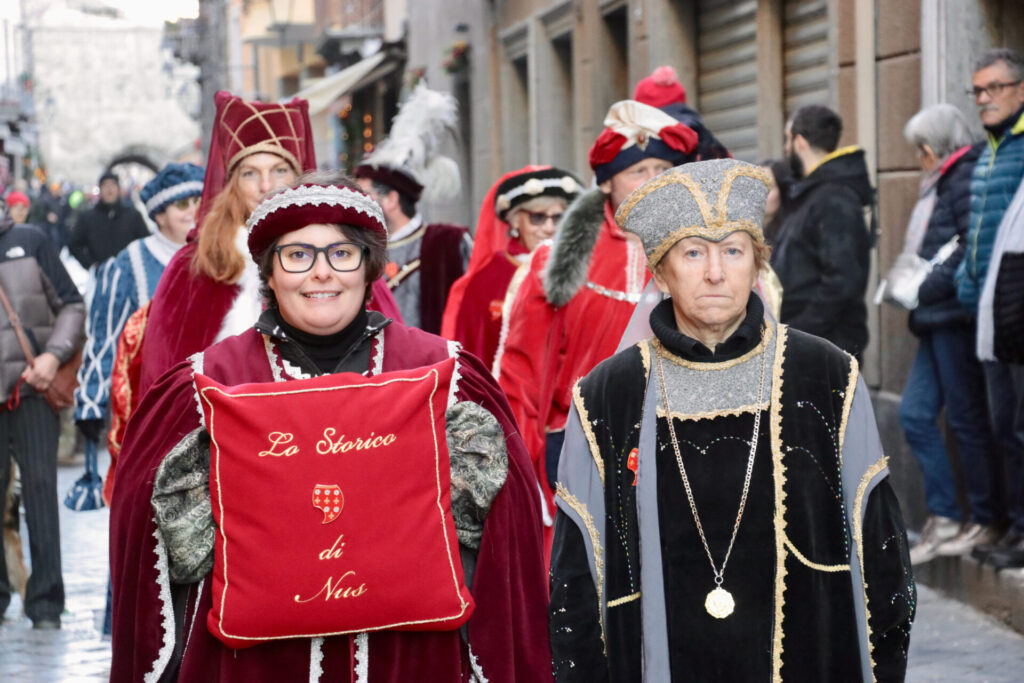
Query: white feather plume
[{"x": 414, "y": 144}]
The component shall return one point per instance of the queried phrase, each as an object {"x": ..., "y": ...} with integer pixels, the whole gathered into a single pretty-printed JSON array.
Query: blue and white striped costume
[{"x": 124, "y": 284}]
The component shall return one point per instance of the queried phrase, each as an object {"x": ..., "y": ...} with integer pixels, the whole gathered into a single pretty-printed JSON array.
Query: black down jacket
[
  {"x": 937, "y": 303},
  {"x": 822, "y": 252}
]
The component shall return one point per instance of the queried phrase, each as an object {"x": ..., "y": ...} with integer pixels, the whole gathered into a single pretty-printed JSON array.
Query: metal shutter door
[
  {"x": 806, "y": 54},
  {"x": 727, "y": 68}
]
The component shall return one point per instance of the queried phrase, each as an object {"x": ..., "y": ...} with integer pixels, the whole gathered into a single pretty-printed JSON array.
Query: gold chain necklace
[{"x": 719, "y": 602}]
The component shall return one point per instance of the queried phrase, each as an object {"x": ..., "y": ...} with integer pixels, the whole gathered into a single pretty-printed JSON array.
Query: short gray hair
[
  {"x": 1014, "y": 61},
  {"x": 942, "y": 127}
]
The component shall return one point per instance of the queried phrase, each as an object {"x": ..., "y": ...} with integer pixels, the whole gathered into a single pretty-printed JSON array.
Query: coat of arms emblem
[{"x": 329, "y": 499}]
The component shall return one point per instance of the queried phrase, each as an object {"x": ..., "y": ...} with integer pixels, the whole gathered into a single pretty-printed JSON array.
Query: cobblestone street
[
  {"x": 76, "y": 652},
  {"x": 951, "y": 642}
]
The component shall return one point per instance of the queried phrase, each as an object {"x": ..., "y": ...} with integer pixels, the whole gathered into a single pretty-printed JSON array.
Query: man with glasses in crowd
[{"x": 998, "y": 90}]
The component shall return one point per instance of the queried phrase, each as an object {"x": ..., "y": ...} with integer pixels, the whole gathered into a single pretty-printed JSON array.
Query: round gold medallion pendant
[{"x": 719, "y": 603}]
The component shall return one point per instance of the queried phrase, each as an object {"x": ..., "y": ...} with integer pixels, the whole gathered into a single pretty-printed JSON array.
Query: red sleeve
[{"x": 526, "y": 364}]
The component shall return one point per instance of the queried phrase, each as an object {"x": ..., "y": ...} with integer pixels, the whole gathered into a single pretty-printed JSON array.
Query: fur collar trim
[{"x": 567, "y": 268}]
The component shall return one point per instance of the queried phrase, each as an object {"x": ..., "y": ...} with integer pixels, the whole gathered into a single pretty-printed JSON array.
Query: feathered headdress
[{"x": 410, "y": 159}]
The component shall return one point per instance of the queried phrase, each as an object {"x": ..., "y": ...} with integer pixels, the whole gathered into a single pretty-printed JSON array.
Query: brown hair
[
  {"x": 762, "y": 255},
  {"x": 216, "y": 254}
]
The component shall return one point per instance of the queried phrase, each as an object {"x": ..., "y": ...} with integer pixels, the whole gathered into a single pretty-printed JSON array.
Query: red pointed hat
[
  {"x": 241, "y": 128},
  {"x": 245, "y": 128}
]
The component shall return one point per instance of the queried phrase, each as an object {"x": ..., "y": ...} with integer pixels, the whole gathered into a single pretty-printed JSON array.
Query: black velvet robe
[{"x": 801, "y": 626}]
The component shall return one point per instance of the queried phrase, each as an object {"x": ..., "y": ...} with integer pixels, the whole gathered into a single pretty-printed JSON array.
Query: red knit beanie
[
  {"x": 662, "y": 87},
  {"x": 15, "y": 197}
]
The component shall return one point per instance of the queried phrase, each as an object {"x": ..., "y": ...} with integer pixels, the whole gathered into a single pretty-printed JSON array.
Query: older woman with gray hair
[{"x": 945, "y": 371}]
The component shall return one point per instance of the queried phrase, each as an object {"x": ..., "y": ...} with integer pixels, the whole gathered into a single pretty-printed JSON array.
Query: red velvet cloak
[
  {"x": 478, "y": 324},
  {"x": 508, "y": 631},
  {"x": 548, "y": 348},
  {"x": 442, "y": 265}
]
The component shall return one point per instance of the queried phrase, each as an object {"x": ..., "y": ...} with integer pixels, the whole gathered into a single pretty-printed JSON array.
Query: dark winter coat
[
  {"x": 103, "y": 231},
  {"x": 938, "y": 305},
  {"x": 822, "y": 252}
]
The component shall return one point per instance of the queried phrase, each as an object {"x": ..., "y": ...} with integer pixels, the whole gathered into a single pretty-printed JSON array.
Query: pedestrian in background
[
  {"x": 424, "y": 259},
  {"x": 779, "y": 202},
  {"x": 108, "y": 227},
  {"x": 522, "y": 210},
  {"x": 41, "y": 294},
  {"x": 210, "y": 288},
  {"x": 663, "y": 90},
  {"x": 823, "y": 247},
  {"x": 581, "y": 291},
  {"x": 945, "y": 371},
  {"x": 127, "y": 282},
  {"x": 18, "y": 207},
  {"x": 998, "y": 88}
]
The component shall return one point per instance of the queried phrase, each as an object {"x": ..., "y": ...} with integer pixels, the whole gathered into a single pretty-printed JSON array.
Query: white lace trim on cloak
[
  {"x": 362, "y": 657},
  {"x": 196, "y": 360},
  {"x": 453, "y": 352},
  {"x": 316, "y": 659},
  {"x": 163, "y": 580},
  {"x": 476, "y": 674}
]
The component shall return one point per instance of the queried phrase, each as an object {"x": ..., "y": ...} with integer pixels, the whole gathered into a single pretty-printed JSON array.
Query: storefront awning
[{"x": 328, "y": 89}]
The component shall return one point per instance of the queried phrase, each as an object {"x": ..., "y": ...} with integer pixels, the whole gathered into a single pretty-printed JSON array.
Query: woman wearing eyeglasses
[
  {"x": 319, "y": 245},
  {"x": 522, "y": 210}
]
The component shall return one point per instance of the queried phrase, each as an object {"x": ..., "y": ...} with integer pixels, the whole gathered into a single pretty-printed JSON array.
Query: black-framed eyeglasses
[
  {"x": 538, "y": 218},
  {"x": 992, "y": 89},
  {"x": 343, "y": 257},
  {"x": 185, "y": 203}
]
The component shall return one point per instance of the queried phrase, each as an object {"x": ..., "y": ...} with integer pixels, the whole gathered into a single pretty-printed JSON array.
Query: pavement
[
  {"x": 77, "y": 651},
  {"x": 950, "y": 641}
]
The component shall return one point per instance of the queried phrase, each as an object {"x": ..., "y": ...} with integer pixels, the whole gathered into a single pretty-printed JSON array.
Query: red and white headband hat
[
  {"x": 634, "y": 132},
  {"x": 296, "y": 207}
]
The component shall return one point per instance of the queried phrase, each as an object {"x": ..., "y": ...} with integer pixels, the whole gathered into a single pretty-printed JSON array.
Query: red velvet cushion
[{"x": 312, "y": 542}]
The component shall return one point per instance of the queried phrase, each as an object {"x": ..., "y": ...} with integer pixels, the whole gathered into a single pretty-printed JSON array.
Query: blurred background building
[{"x": 106, "y": 91}]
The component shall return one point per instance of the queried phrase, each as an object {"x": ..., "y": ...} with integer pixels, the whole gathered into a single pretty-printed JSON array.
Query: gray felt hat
[{"x": 709, "y": 199}]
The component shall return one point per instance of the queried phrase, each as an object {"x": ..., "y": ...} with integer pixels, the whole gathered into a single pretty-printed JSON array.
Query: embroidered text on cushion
[{"x": 325, "y": 493}]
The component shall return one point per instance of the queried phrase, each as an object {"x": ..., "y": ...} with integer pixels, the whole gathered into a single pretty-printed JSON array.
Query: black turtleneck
[
  {"x": 326, "y": 351},
  {"x": 999, "y": 130},
  {"x": 746, "y": 336}
]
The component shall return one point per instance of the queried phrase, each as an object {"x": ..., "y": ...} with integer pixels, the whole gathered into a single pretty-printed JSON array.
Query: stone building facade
[{"x": 102, "y": 85}]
